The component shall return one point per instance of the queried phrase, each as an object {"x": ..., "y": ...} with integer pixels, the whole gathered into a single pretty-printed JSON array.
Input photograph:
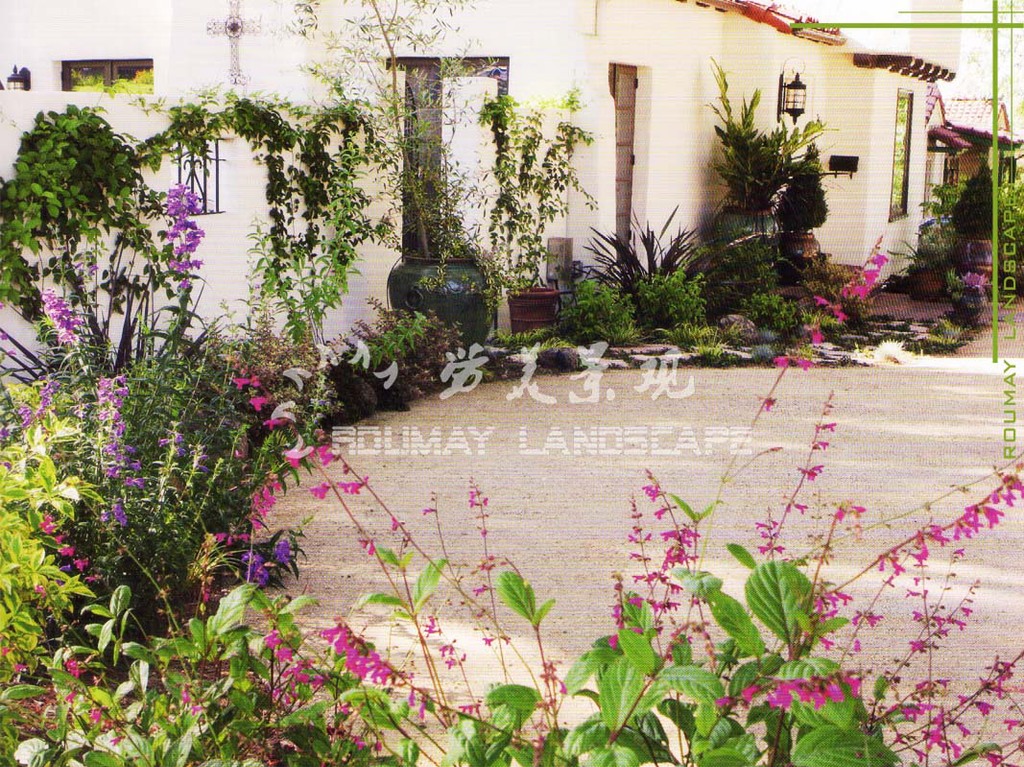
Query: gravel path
[{"x": 560, "y": 488}]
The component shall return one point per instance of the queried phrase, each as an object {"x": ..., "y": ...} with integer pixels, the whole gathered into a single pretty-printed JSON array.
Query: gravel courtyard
[{"x": 560, "y": 479}]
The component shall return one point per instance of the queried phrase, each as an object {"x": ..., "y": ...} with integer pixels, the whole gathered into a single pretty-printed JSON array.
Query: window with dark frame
[
  {"x": 121, "y": 75},
  {"x": 899, "y": 195},
  {"x": 200, "y": 174}
]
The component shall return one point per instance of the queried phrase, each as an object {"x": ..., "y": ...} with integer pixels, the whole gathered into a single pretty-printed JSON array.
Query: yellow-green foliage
[{"x": 33, "y": 590}]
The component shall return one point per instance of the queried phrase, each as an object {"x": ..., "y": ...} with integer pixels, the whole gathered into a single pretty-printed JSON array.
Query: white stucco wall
[{"x": 553, "y": 47}]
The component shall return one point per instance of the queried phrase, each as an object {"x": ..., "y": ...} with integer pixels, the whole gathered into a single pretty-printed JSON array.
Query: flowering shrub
[{"x": 165, "y": 445}]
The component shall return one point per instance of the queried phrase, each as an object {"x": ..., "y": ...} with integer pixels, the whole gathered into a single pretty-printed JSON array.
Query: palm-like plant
[{"x": 755, "y": 164}]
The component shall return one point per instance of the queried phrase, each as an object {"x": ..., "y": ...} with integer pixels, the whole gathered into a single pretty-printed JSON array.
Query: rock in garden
[
  {"x": 562, "y": 359},
  {"x": 744, "y": 328}
]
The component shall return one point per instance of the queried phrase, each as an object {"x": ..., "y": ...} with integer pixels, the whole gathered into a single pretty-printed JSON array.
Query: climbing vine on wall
[{"x": 78, "y": 188}]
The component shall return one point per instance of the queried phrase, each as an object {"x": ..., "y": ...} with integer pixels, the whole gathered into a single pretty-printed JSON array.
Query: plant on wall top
[{"x": 755, "y": 164}]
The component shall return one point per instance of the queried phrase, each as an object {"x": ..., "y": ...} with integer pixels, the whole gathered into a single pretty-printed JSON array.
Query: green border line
[
  {"x": 995, "y": 180},
  {"x": 995, "y": 25}
]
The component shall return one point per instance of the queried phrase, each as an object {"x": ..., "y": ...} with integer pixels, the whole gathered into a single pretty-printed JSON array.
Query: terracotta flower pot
[
  {"x": 533, "y": 309},
  {"x": 926, "y": 284}
]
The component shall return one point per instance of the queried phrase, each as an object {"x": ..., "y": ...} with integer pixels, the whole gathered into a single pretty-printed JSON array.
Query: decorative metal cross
[{"x": 233, "y": 27}]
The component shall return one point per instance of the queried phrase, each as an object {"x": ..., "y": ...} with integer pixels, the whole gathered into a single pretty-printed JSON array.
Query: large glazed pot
[
  {"x": 533, "y": 309},
  {"x": 731, "y": 225},
  {"x": 459, "y": 299}
]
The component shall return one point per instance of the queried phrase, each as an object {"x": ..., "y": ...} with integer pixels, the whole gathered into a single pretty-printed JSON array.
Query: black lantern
[
  {"x": 792, "y": 96},
  {"x": 19, "y": 79}
]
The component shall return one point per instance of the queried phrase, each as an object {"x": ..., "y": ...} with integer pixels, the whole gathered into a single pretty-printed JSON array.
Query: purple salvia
[{"x": 63, "y": 318}]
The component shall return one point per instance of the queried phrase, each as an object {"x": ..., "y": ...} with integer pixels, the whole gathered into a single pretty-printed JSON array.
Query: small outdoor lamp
[
  {"x": 792, "y": 93},
  {"x": 19, "y": 79}
]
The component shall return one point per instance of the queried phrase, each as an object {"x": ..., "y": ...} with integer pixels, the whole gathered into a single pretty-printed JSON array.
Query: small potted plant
[
  {"x": 755, "y": 165},
  {"x": 534, "y": 174},
  {"x": 926, "y": 274},
  {"x": 968, "y": 295},
  {"x": 802, "y": 207},
  {"x": 972, "y": 220}
]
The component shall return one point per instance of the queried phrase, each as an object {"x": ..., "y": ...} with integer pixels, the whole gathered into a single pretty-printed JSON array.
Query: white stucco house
[{"x": 642, "y": 69}]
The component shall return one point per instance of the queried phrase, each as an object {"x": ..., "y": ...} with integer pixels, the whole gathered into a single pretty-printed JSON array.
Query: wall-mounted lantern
[
  {"x": 792, "y": 91},
  {"x": 19, "y": 79}
]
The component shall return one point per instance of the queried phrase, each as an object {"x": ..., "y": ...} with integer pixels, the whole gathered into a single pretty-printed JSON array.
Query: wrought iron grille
[{"x": 200, "y": 173}]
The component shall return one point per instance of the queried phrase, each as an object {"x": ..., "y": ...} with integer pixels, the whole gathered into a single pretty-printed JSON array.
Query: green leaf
[
  {"x": 974, "y": 752},
  {"x": 733, "y": 618},
  {"x": 805, "y": 668},
  {"x": 120, "y": 600},
  {"x": 100, "y": 759},
  {"x": 516, "y": 594},
  {"x": 619, "y": 689},
  {"x": 881, "y": 686},
  {"x": 638, "y": 649},
  {"x": 542, "y": 611},
  {"x": 702, "y": 585},
  {"x": 835, "y": 747},
  {"x": 521, "y": 699},
  {"x": 743, "y": 556},
  {"x": 696, "y": 683},
  {"x": 724, "y": 757},
  {"x": 680, "y": 714},
  {"x": 21, "y": 692},
  {"x": 378, "y": 599},
  {"x": 587, "y": 736},
  {"x": 426, "y": 584},
  {"x": 777, "y": 593},
  {"x": 588, "y": 664},
  {"x": 614, "y": 756},
  {"x": 687, "y": 510},
  {"x": 231, "y": 610},
  {"x": 410, "y": 752}
]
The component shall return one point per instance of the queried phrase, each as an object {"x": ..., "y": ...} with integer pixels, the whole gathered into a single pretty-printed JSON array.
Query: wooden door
[{"x": 623, "y": 81}]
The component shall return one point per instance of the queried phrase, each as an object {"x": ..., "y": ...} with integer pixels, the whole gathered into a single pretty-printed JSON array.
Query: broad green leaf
[
  {"x": 724, "y": 757},
  {"x": 680, "y": 714},
  {"x": 586, "y": 666},
  {"x": 743, "y": 556},
  {"x": 638, "y": 649},
  {"x": 100, "y": 759},
  {"x": 733, "y": 618},
  {"x": 426, "y": 584},
  {"x": 21, "y": 692},
  {"x": 410, "y": 752},
  {"x": 120, "y": 599},
  {"x": 777, "y": 593},
  {"x": 615, "y": 755},
  {"x": 378, "y": 599},
  {"x": 834, "y": 747},
  {"x": 805, "y": 668},
  {"x": 305, "y": 714},
  {"x": 619, "y": 690},
  {"x": 517, "y": 594},
  {"x": 521, "y": 699},
  {"x": 387, "y": 556},
  {"x": 231, "y": 610},
  {"x": 587, "y": 736},
  {"x": 702, "y": 585},
  {"x": 694, "y": 682}
]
